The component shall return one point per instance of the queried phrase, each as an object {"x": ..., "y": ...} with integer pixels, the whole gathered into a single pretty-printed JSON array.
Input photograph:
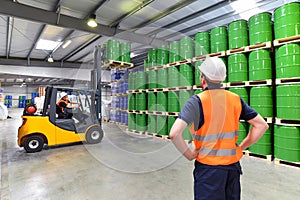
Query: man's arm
[
  {"x": 259, "y": 126},
  {"x": 177, "y": 139}
]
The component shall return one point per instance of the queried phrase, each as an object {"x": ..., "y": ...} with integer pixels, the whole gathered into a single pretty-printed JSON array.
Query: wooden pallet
[
  {"x": 197, "y": 87},
  {"x": 265, "y": 45},
  {"x": 172, "y": 89},
  {"x": 269, "y": 120},
  {"x": 150, "y": 69},
  {"x": 185, "y": 61},
  {"x": 150, "y": 112},
  {"x": 160, "y": 89},
  {"x": 117, "y": 64},
  {"x": 158, "y": 67},
  {"x": 235, "y": 84},
  {"x": 288, "y": 40},
  {"x": 172, "y": 113},
  {"x": 150, "y": 90},
  {"x": 287, "y": 122},
  {"x": 105, "y": 120},
  {"x": 295, "y": 80},
  {"x": 286, "y": 163},
  {"x": 164, "y": 137},
  {"x": 259, "y": 82},
  {"x": 160, "y": 113},
  {"x": 203, "y": 57},
  {"x": 264, "y": 157}
]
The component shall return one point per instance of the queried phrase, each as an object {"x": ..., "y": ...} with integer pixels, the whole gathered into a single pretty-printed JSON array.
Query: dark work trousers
[{"x": 217, "y": 182}]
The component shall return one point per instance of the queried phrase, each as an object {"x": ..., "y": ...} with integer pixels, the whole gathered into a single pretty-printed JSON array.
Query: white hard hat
[
  {"x": 213, "y": 68},
  {"x": 62, "y": 94}
]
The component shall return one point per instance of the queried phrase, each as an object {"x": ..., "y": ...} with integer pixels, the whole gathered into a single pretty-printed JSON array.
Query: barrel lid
[
  {"x": 269, "y": 13},
  {"x": 285, "y": 5}
]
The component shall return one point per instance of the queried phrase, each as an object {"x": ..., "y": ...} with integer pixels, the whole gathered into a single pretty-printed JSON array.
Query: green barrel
[
  {"x": 141, "y": 122},
  {"x": 260, "y": 28},
  {"x": 243, "y": 132},
  {"x": 152, "y": 79},
  {"x": 6, "y": 101},
  {"x": 141, "y": 101},
  {"x": 171, "y": 121},
  {"x": 131, "y": 101},
  {"x": 184, "y": 95},
  {"x": 173, "y": 76},
  {"x": 264, "y": 145},
  {"x": 218, "y": 39},
  {"x": 202, "y": 43},
  {"x": 173, "y": 102},
  {"x": 162, "y": 125},
  {"x": 261, "y": 100},
  {"x": 152, "y": 57},
  {"x": 242, "y": 92},
  {"x": 131, "y": 81},
  {"x": 162, "y": 78},
  {"x": 237, "y": 68},
  {"x": 162, "y": 101},
  {"x": 151, "y": 123},
  {"x": 113, "y": 50},
  {"x": 131, "y": 121},
  {"x": 287, "y": 143},
  {"x": 260, "y": 65},
  {"x": 288, "y": 61},
  {"x": 162, "y": 55},
  {"x": 152, "y": 101},
  {"x": 186, "y": 77},
  {"x": 125, "y": 52},
  {"x": 197, "y": 72},
  {"x": 141, "y": 80},
  {"x": 238, "y": 34},
  {"x": 287, "y": 20},
  {"x": 288, "y": 102},
  {"x": 22, "y": 98},
  {"x": 186, "y": 48},
  {"x": 174, "y": 52}
]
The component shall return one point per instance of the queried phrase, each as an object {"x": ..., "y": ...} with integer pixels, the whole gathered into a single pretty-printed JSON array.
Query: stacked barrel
[
  {"x": 287, "y": 60},
  {"x": 117, "y": 51},
  {"x": 8, "y": 101}
]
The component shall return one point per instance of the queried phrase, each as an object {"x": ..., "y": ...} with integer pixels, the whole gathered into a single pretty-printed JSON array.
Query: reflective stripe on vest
[{"x": 217, "y": 137}]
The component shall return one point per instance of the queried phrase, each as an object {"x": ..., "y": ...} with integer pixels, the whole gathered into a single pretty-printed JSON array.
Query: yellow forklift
[{"x": 48, "y": 128}]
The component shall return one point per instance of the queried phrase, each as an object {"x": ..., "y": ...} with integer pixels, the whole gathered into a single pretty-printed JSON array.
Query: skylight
[{"x": 47, "y": 44}]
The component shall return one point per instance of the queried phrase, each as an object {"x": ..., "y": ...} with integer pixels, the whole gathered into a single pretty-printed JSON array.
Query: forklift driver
[{"x": 63, "y": 106}]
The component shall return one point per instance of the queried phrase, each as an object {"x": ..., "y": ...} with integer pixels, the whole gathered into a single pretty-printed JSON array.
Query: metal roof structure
[{"x": 145, "y": 24}]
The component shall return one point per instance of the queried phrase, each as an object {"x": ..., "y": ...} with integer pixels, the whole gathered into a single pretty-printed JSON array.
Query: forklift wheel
[
  {"x": 94, "y": 135},
  {"x": 33, "y": 143}
]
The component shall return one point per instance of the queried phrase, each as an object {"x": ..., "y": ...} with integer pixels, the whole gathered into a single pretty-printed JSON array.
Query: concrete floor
[{"x": 123, "y": 166}]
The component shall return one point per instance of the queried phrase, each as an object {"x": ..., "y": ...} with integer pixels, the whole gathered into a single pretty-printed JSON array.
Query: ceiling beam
[
  {"x": 163, "y": 14},
  {"x": 97, "y": 7},
  {"x": 9, "y": 30},
  {"x": 26, "y": 12},
  {"x": 81, "y": 57},
  {"x": 132, "y": 12},
  {"x": 78, "y": 49},
  {"x": 42, "y": 29}
]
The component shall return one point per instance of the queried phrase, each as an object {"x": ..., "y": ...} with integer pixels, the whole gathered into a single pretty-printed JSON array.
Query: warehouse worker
[
  {"x": 63, "y": 105},
  {"x": 214, "y": 116}
]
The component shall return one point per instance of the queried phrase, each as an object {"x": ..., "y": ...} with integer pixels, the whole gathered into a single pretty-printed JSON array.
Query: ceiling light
[
  {"x": 50, "y": 59},
  {"x": 47, "y": 44},
  {"x": 91, "y": 22},
  {"x": 66, "y": 44}
]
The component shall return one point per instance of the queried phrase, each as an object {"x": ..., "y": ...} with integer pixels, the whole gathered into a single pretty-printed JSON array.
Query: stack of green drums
[
  {"x": 264, "y": 145},
  {"x": 152, "y": 79},
  {"x": 218, "y": 39},
  {"x": 125, "y": 52},
  {"x": 186, "y": 75},
  {"x": 162, "y": 125},
  {"x": 152, "y": 101},
  {"x": 131, "y": 101},
  {"x": 113, "y": 50},
  {"x": 186, "y": 48},
  {"x": 261, "y": 100},
  {"x": 288, "y": 102},
  {"x": 287, "y": 20},
  {"x": 287, "y": 143},
  {"x": 260, "y": 65},
  {"x": 173, "y": 102},
  {"x": 151, "y": 124},
  {"x": 202, "y": 44},
  {"x": 162, "y": 78},
  {"x": 260, "y": 28},
  {"x": 237, "y": 68},
  {"x": 197, "y": 72},
  {"x": 141, "y": 122},
  {"x": 141, "y": 80},
  {"x": 141, "y": 101},
  {"x": 152, "y": 58},
  {"x": 131, "y": 81},
  {"x": 173, "y": 76},
  {"x": 174, "y": 52},
  {"x": 162, "y": 55},
  {"x": 237, "y": 34},
  {"x": 162, "y": 101},
  {"x": 184, "y": 95},
  {"x": 288, "y": 61}
]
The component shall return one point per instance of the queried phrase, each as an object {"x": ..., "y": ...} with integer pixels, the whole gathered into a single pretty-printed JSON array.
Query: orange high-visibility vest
[
  {"x": 217, "y": 137},
  {"x": 65, "y": 101}
]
